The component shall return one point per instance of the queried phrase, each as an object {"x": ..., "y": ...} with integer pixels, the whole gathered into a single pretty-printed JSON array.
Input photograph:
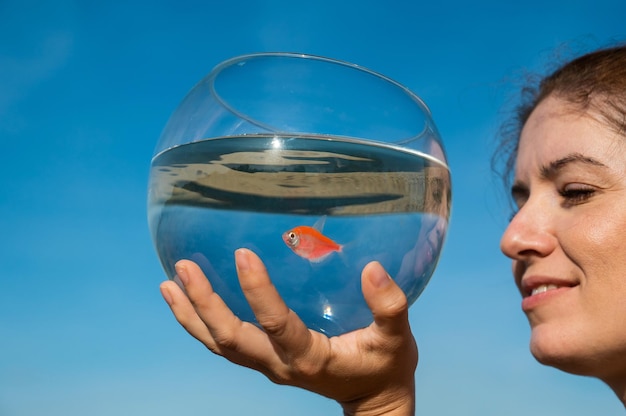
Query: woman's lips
[{"x": 539, "y": 290}]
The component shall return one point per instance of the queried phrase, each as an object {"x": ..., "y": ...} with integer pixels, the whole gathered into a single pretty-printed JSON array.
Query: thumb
[{"x": 385, "y": 299}]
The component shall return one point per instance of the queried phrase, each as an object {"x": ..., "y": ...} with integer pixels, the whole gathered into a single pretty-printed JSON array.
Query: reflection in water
[
  {"x": 421, "y": 260},
  {"x": 314, "y": 182}
]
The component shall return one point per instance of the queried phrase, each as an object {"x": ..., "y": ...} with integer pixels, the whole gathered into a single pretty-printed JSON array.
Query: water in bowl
[{"x": 379, "y": 202}]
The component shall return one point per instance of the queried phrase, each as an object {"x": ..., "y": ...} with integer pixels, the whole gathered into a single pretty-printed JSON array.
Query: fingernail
[
  {"x": 166, "y": 295},
  {"x": 181, "y": 272},
  {"x": 379, "y": 277},
  {"x": 241, "y": 260}
]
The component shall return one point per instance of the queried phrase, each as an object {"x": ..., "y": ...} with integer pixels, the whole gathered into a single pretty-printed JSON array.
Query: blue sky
[{"x": 85, "y": 90}]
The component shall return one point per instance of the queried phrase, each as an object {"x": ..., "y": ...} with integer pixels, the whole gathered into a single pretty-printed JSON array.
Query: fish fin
[
  {"x": 320, "y": 258},
  {"x": 319, "y": 224},
  {"x": 339, "y": 252}
]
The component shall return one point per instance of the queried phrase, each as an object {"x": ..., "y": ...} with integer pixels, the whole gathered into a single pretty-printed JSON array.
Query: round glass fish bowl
[{"x": 317, "y": 165}]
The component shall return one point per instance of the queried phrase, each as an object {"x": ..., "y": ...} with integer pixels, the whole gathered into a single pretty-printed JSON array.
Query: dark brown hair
[{"x": 595, "y": 82}]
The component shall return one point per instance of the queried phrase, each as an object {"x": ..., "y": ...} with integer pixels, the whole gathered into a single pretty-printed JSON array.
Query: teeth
[{"x": 542, "y": 288}]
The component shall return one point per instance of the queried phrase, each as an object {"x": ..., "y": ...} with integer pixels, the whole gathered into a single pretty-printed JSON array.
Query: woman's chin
[{"x": 556, "y": 350}]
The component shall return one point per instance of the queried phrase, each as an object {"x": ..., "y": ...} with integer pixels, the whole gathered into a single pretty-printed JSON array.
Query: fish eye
[{"x": 294, "y": 239}]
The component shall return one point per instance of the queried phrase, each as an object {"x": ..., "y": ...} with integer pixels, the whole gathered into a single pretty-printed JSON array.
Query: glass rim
[{"x": 296, "y": 55}]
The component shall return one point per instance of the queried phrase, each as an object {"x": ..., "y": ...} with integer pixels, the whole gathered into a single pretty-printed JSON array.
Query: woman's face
[{"x": 568, "y": 240}]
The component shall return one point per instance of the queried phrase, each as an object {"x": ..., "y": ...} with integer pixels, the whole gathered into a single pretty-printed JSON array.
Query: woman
[
  {"x": 567, "y": 237},
  {"x": 568, "y": 162}
]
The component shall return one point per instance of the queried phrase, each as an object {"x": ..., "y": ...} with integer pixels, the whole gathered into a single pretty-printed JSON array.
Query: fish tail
[{"x": 342, "y": 254}]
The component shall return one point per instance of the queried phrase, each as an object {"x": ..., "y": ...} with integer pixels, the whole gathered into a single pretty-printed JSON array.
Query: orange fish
[{"x": 310, "y": 243}]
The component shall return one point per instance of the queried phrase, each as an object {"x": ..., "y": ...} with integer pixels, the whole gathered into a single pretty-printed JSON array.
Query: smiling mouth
[
  {"x": 547, "y": 287},
  {"x": 543, "y": 289}
]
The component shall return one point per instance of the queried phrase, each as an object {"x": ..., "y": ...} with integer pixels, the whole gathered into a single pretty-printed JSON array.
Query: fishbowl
[{"x": 317, "y": 165}]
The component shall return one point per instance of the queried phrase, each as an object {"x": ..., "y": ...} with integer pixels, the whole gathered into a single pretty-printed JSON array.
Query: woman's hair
[{"x": 592, "y": 83}]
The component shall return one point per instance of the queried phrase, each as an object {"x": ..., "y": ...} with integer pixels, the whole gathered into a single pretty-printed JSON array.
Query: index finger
[{"x": 280, "y": 323}]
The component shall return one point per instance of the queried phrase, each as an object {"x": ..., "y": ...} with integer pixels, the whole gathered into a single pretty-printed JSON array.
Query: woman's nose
[{"x": 530, "y": 232}]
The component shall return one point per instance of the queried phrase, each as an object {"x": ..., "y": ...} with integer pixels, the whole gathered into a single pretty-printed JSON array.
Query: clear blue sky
[{"x": 85, "y": 90}]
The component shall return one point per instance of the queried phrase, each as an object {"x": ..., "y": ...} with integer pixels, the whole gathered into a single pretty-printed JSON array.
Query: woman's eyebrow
[{"x": 550, "y": 170}]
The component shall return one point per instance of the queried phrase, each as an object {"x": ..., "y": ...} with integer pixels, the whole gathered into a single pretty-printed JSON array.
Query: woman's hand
[{"x": 369, "y": 371}]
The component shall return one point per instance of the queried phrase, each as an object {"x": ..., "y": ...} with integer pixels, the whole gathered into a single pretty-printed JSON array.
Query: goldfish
[{"x": 309, "y": 242}]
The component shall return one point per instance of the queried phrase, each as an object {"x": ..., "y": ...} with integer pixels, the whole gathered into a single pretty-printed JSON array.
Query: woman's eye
[{"x": 577, "y": 194}]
